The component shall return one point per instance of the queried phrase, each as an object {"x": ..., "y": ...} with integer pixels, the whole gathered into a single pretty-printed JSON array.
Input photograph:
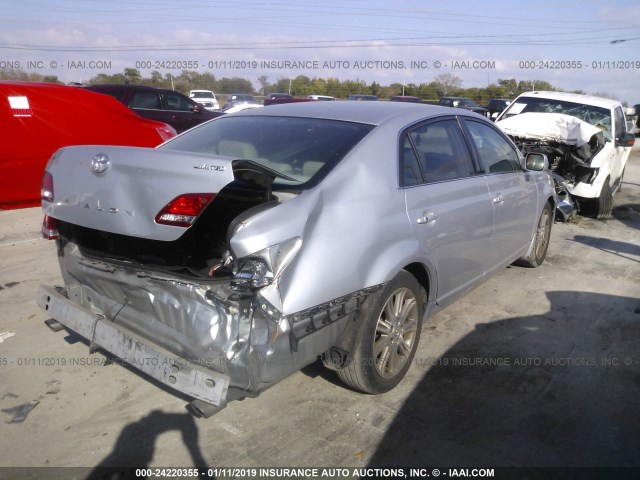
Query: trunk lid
[{"x": 121, "y": 189}]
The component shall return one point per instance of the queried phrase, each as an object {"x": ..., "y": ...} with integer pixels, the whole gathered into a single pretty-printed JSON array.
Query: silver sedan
[{"x": 252, "y": 245}]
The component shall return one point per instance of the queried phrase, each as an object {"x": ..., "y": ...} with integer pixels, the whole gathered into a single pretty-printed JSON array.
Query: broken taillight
[
  {"x": 183, "y": 210},
  {"x": 50, "y": 228},
  {"x": 46, "y": 191},
  {"x": 254, "y": 273}
]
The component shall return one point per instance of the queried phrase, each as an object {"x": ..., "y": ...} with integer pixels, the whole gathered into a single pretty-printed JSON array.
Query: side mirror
[
  {"x": 537, "y": 162},
  {"x": 197, "y": 108},
  {"x": 629, "y": 126},
  {"x": 626, "y": 140}
]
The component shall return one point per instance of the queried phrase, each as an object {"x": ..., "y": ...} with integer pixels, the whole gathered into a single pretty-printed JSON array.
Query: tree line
[{"x": 443, "y": 85}]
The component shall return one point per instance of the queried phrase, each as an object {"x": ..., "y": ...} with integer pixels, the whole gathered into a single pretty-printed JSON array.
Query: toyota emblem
[{"x": 99, "y": 163}]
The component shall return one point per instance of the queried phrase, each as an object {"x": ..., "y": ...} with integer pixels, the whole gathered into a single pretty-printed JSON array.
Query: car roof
[
  {"x": 171, "y": 91},
  {"x": 121, "y": 86},
  {"x": 573, "y": 97},
  {"x": 372, "y": 113}
]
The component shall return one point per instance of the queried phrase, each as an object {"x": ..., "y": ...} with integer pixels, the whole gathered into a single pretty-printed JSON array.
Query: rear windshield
[{"x": 302, "y": 150}]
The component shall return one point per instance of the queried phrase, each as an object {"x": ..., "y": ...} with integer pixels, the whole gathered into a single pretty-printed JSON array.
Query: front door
[{"x": 511, "y": 190}]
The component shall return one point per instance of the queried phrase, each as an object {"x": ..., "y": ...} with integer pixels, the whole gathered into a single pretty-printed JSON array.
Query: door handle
[
  {"x": 427, "y": 217},
  {"x": 498, "y": 199}
]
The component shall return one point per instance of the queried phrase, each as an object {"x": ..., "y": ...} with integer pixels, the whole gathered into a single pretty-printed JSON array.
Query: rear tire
[
  {"x": 604, "y": 203},
  {"x": 387, "y": 337}
]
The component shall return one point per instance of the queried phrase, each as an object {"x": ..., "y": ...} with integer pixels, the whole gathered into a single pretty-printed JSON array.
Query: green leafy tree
[
  {"x": 22, "y": 76},
  {"x": 318, "y": 86},
  {"x": 281, "y": 86},
  {"x": 334, "y": 88},
  {"x": 301, "y": 86},
  {"x": 444, "y": 84},
  {"x": 428, "y": 92},
  {"x": 132, "y": 75},
  {"x": 235, "y": 85},
  {"x": 156, "y": 79},
  {"x": 509, "y": 87}
]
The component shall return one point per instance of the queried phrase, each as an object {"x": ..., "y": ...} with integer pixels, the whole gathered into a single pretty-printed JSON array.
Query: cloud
[{"x": 253, "y": 55}]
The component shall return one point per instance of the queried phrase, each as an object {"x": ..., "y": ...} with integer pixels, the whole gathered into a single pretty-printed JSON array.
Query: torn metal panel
[
  {"x": 566, "y": 208},
  {"x": 187, "y": 377},
  {"x": 308, "y": 321}
]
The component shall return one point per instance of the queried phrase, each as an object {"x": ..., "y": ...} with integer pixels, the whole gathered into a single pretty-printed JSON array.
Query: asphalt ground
[{"x": 534, "y": 368}]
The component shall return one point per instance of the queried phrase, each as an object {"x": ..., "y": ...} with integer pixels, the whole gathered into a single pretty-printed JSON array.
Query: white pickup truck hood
[{"x": 549, "y": 127}]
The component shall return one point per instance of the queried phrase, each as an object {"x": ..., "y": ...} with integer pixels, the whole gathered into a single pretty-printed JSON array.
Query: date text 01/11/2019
[
  {"x": 579, "y": 65},
  {"x": 418, "y": 64},
  {"x": 313, "y": 472}
]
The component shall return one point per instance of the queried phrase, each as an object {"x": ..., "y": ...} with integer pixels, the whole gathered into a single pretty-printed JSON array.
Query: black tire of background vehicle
[
  {"x": 389, "y": 328},
  {"x": 604, "y": 203},
  {"x": 540, "y": 240}
]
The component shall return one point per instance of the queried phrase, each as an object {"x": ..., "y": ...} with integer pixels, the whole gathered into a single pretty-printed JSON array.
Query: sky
[{"x": 588, "y": 45}]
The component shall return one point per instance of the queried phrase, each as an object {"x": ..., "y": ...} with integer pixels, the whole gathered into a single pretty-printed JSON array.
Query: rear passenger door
[
  {"x": 513, "y": 191},
  {"x": 448, "y": 205},
  {"x": 182, "y": 112}
]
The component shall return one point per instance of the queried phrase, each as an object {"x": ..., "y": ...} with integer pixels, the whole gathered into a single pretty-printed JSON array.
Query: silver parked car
[{"x": 248, "y": 247}]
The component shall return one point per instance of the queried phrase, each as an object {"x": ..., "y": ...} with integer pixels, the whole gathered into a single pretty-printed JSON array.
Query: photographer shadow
[
  {"x": 135, "y": 445},
  {"x": 553, "y": 390}
]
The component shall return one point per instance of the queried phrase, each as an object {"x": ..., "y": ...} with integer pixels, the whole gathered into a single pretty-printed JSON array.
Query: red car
[{"x": 36, "y": 119}]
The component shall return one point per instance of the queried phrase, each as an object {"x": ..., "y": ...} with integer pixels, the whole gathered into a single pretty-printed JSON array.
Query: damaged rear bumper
[
  {"x": 175, "y": 372},
  {"x": 201, "y": 339}
]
